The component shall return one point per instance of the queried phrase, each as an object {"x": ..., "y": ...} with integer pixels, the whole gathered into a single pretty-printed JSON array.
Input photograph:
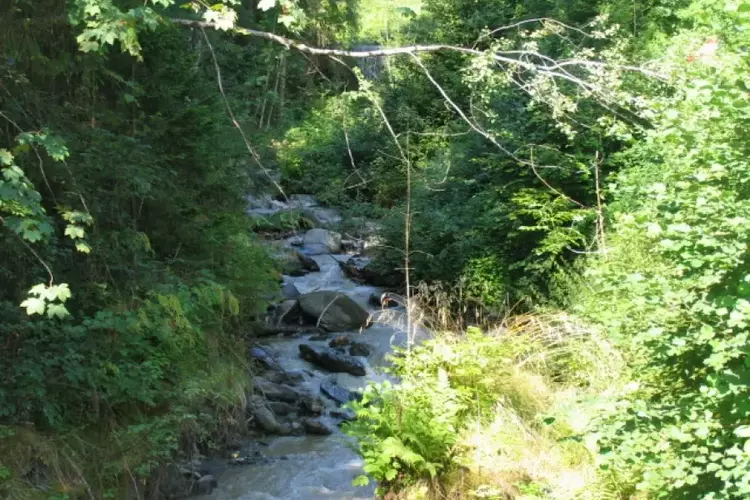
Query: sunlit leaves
[{"x": 50, "y": 299}]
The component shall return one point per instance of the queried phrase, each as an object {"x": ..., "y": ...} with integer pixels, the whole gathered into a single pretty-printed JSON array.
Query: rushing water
[{"x": 316, "y": 467}]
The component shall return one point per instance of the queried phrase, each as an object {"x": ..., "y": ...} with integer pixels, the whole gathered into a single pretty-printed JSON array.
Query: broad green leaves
[{"x": 50, "y": 299}]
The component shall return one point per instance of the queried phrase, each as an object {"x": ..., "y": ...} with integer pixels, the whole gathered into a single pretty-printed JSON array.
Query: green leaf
[
  {"x": 83, "y": 247},
  {"x": 265, "y": 5},
  {"x": 361, "y": 480},
  {"x": 74, "y": 232},
  {"x": 34, "y": 306},
  {"x": 57, "y": 310},
  {"x": 5, "y": 157}
]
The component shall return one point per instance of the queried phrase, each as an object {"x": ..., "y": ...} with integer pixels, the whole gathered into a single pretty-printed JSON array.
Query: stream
[{"x": 313, "y": 467}]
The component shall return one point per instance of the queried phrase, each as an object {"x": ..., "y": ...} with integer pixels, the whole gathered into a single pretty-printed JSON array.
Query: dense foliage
[{"x": 590, "y": 156}]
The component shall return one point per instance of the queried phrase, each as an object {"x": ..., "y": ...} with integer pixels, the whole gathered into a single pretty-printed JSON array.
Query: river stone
[
  {"x": 331, "y": 360},
  {"x": 311, "y": 404},
  {"x": 278, "y": 376},
  {"x": 276, "y": 392},
  {"x": 205, "y": 485},
  {"x": 317, "y": 426},
  {"x": 341, "y": 395},
  {"x": 339, "y": 312},
  {"x": 288, "y": 312},
  {"x": 344, "y": 415},
  {"x": 331, "y": 240},
  {"x": 289, "y": 291},
  {"x": 339, "y": 341},
  {"x": 261, "y": 356},
  {"x": 363, "y": 270},
  {"x": 359, "y": 349},
  {"x": 281, "y": 409},
  {"x": 262, "y": 416},
  {"x": 307, "y": 262}
]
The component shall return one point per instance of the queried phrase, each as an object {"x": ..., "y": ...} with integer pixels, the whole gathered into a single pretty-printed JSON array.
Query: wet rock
[
  {"x": 311, "y": 404},
  {"x": 291, "y": 377},
  {"x": 307, "y": 262},
  {"x": 334, "y": 311},
  {"x": 262, "y": 416},
  {"x": 281, "y": 409},
  {"x": 341, "y": 395},
  {"x": 276, "y": 392},
  {"x": 331, "y": 360},
  {"x": 321, "y": 217},
  {"x": 344, "y": 415},
  {"x": 291, "y": 429},
  {"x": 339, "y": 341},
  {"x": 263, "y": 358},
  {"x": 288, "y": 312},
  {"x": 205, "y": 485},
  {"x": 359, "y": 349},
  {"x": 362, "y": 270},
  {"x": 289, "y": 291},
  {"x": 296, "y": 241},
  {"x": 317, "y": 426},
  {"x": 330, "y": 240},
  {"x": 381, "y": 300}
]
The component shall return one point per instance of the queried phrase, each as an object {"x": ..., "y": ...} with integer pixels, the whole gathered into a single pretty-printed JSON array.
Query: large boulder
[
  {"x": 289, "y": 291},
  {"x": 322, "y": 239},
  {"x": 335, "y": 311},
  {"x": 276, "y": 392},
  {"x": 332, "y": 360}
]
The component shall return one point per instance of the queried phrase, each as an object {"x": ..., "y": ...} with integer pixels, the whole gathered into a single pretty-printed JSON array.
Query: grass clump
[{"x": 494, "y": 413}]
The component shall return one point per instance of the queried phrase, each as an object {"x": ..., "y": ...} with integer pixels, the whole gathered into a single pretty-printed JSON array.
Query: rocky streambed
[{"x": 334, "y": 339}]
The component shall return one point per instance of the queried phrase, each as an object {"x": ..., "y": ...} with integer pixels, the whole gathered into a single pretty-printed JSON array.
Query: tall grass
[{"x": 522, "y": 391}]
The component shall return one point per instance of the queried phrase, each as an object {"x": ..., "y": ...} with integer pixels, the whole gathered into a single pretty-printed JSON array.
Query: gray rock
[
  {"x": 276, "y": 392},
  {"x": 205, "y": 485},
  {"x": 341, "y": 395},
  {"x": 311, "y": 404},
  {"x": 335, "y": 311},
  {"x": 291, "y": 377},
  {"x": 262, "y": 416},
  {"x": 344, "y": 414},
  {"x": 359, "y": 349},
  {"x": 281, "y": 409},
  {"x": 263, "y": 358},
  {"x": 317, "y": 426},
  {"x": 331, "y": 360},
  {"x": 307, "y": 262},
  {"x": 339, "y": 341},
  {"x": 296, "y": 241},
  {"x": 362, "y": 270},
  {"x": 289, "y": 291},
  {"x": 329, "y": 239},
  {"x": 288, "y": 312}
]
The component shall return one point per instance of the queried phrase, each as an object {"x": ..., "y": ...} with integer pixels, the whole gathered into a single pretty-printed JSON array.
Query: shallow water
[{"x": 317, "y": 467}]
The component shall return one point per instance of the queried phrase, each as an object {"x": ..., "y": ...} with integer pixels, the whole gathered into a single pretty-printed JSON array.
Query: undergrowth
[{"x": 499, "y": 413}]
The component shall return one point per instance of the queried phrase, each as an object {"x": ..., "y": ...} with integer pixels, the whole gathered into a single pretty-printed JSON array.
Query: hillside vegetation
[{"x": 561, "y": 187}]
